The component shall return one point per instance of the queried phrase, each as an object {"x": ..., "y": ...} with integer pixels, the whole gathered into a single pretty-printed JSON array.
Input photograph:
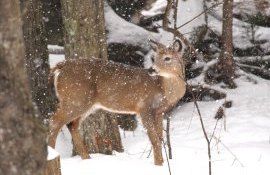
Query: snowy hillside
[
  {"x": 243, "y": 149},
  {"x": 196, "y": 72},
  {"x": 240, "y": 142}
]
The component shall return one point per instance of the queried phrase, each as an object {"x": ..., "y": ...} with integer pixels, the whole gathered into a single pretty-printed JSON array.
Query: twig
[
  {"x": 205, "y": 135},
  {"x": 165, "y": 22},
  {"x": 190, "y": 120},
  {"x": 141, "y": 152},
  {"x": 144, "y": 151},
  {"x": 228, "y": 149},
  {"x": 213, "y": 6},
  {"x": 175, "y": 13},
  {"x": 206, "y": 15},
  {"x": 224, "y": 122},
  {"x": 149, "y": 153},
  {"x": 213, "y": 133},
  {"x": 165, "y": 26},
  {"x": 252, "y": 67},
  {"x": 168, "y": 137},
  {"x": 169, "y": 167}
]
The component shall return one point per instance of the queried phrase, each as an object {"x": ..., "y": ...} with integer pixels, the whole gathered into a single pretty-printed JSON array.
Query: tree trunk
[
  {"x": 53, "y": 22},
  {"x": 53, "y": 166},
  {"x": 37, "y": 56},
  {"x": 84, "y": 36},
  {"x": 23, "y": 148},
  {"x": 226, "y": 64},
  {"x": 84, "y": 32}
]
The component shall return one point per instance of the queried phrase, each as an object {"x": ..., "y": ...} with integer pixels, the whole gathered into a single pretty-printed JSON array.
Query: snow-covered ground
[{"x": 243, "y": 149}]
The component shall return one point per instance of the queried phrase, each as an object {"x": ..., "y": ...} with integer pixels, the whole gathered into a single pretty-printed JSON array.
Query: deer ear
[
  {"x": 153, "y": 44},
  {"x": 177, "y": 45}
]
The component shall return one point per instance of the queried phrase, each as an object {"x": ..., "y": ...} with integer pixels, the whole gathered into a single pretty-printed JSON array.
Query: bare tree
[
  {"x": 22, "y": 137},
  {"x": 37, "y": 56},
  {"x": 226, "y": 64},
  {"x": 84, "y": 36}
]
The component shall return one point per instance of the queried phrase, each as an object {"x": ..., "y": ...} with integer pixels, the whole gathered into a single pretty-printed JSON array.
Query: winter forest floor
[{"x": 242, "y": 149}]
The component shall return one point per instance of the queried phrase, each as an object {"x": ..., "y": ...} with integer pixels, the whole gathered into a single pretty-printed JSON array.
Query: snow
[
  {"x": 240, "y": 34},
  {"x": 157, "y": 8},
  {"x": 121, "y": 31},
  {"x": 55, "y": 58},
  {"x": 64, "y": 146},
  {"x": 52, "y": 153},
  {"x": 187, "y": 10},
  {"x": 241, "y": 30},
  {"x": 242, "y": 6},
  {"x": 55, "y": 47},
  {"x": 263, "y": 33},
  {"x": 244, "y": 147}
]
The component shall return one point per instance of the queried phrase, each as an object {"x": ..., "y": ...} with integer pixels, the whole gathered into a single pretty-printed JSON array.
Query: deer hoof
[
  {"x": 159, "y": 162},
  {"x": 85, "y": 156}
]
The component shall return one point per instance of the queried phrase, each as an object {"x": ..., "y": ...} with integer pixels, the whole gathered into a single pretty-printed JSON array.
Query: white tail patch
[{"x": 56, "y": 73}]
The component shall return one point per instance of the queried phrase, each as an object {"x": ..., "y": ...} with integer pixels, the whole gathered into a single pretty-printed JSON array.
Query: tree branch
[
  {"x": 203, "y": 12},
  {"x": 169, "y": 167},
  {"x": 168, "y": 137},
  {"x": 204, "y": 132},
  {"x": 165, "y": 26},
  {"x": 175, "y": 13}
]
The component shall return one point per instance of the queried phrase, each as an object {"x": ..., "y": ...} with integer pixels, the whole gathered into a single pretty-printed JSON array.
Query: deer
[{"x": 84, "y": 85}]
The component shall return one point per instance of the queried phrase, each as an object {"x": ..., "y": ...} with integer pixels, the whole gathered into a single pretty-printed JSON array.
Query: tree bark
[
  {"x": 84, "y": 36},
  {"x": 37, "y": 58},
  {"x": 226, "y": 64},
  {"x": 53, "y": 167},
  {"x": 84, "y": 29},
  {"x": 53, "y": 22},
  {"x": 23, "y": 148}
]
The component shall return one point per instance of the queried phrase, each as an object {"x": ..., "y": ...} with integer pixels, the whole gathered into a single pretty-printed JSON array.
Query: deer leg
[
  {"x": 154, "y": 139},
  {"x": 56, "y": 123},
  {"x": 159, "y": 125},
  {"x": 77, "y": 139}
]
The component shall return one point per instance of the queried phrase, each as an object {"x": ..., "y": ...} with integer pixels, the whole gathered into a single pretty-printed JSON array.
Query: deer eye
[{"x": 167, "y": 59}]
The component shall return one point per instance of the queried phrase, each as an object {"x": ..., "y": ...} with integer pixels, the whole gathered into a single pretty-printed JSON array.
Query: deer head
[{"x": 168, "y": 60}]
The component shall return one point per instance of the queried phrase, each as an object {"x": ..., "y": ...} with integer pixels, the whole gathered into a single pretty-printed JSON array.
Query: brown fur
[{"x": 84, "y": 84}]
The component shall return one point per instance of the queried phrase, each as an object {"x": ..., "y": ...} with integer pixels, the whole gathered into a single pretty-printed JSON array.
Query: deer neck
[{"x": 173, "y": 87}]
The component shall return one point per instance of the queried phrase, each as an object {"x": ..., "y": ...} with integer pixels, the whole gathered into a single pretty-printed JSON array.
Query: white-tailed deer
[{"x": 85, "y": 85}]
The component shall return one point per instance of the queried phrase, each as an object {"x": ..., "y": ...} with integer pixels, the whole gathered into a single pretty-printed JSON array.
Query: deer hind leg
[
  {"x": 149, "y": 125},
  {"x": 77, "y": 139}
]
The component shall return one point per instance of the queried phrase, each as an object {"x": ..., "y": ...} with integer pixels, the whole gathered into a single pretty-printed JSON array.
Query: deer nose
[
  {"x": 152, "y": 59},
  {"x": 152, "y": 71}
]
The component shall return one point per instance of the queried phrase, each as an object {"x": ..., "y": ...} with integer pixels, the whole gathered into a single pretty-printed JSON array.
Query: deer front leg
[
  {"x": 77, "y": 139},
  {"x": 159, "y": 125},
  {"x": 154, "y": 138}
]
